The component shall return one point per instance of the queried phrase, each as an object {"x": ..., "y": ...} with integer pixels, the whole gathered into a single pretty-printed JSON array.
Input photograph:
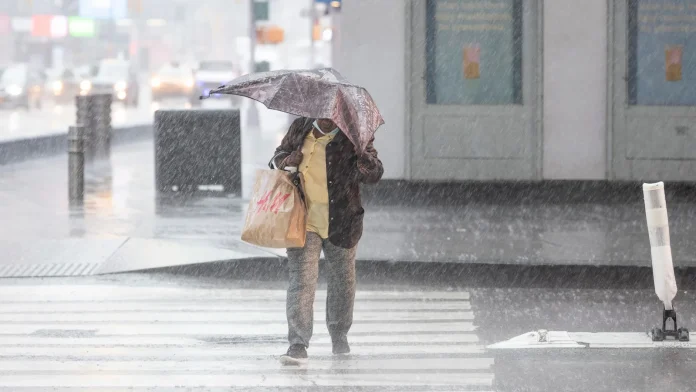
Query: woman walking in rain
[
  {"x": 333, "y": 172},
  {"x": 331, "y": 144}
]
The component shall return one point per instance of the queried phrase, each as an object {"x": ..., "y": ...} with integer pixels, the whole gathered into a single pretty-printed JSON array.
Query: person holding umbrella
[
  {"x": 331, "y": 144},
  {"x": 333, "y": 172}
]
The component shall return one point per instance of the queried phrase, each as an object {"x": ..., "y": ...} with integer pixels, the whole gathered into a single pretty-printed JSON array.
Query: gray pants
[{"x": 303, "y": 264}]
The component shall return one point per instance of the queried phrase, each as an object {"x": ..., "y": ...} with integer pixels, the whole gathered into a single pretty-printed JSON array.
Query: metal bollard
[
  {"x": 101, "y": 113},
  {"x": 84, "y": 117},
  {"x": 76, "y": 165},
  {"x": 94, "y": 112}
]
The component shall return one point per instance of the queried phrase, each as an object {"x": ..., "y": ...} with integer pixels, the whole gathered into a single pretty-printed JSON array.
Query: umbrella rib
[{"x": 299, "y": 88}]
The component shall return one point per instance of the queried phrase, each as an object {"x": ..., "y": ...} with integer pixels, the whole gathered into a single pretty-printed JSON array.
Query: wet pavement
[
  {"x": 121, "y": 202},
  {"x": 158, "y": 332}
]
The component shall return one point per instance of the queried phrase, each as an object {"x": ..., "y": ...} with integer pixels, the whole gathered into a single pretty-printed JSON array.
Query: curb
[
  {"x": 16, "y": 151},
  {"x": 448, "y": 274},
  {"x": 511, "y": 192}
]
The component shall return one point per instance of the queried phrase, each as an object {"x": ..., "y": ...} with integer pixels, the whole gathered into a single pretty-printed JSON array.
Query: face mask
[{"x": 316, "y": 125}]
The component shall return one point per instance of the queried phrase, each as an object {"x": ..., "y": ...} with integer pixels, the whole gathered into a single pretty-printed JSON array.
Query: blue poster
[
  {"x": 474, "y": 52},
  {"x": 662, "y": 52},
  {"x": 104, "y": 9}
]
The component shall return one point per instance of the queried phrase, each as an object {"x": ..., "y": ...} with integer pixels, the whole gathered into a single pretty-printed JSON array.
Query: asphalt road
[{"x": 54, "y": 118}]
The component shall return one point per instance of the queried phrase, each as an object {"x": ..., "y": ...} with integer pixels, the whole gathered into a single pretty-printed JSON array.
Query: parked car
[
  {"x": 21, "y": 86},
  {"x": 213, "y": 74},
  {"x": 173, "y": 80},
  {"x": 116, "y": 77}
]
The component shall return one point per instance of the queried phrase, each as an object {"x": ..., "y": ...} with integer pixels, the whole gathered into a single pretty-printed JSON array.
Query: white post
[{"x": 660, "y": 249}]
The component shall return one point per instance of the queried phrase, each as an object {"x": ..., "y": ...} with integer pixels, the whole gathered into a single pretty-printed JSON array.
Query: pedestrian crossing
[{"x": 109, "y": 336}]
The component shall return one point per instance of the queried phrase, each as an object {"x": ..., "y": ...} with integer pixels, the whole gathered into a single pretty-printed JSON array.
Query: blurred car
[
  {"x": 63, "y": 85},
  {"x": 213, "y": 74},
  {"x": 115, "y": 77},
  {"x": 21, "y": 86},
  {"x": 86, "y": 71},
  {"x": 173, "y": 80}
]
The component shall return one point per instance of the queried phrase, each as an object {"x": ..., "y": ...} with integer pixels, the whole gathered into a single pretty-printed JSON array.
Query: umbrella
[
  {"x": 319, "y": 93},
  {"x": 660, "y": 249}
]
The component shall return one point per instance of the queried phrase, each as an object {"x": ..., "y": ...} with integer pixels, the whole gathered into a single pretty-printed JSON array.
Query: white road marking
[{"x": 112, "y": 336}]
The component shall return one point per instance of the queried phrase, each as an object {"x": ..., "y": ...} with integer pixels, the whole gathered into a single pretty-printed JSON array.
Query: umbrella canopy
[{"x": 321, "y": 93}]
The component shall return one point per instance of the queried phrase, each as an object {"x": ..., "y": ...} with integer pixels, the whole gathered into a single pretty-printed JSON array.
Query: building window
[
  {"x": 474, "y": 52},
  {"x": 662, "y": 52}
]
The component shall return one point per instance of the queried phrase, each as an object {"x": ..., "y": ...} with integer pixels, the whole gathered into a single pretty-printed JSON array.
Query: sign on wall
[
  {"x": 5, "y": 24},
  {"x": 41, "y": 26},
  {"x": 22, "y": 24},
  {"x": 81, "y": 27},
  {"x": 662, "y": 52},
  {"x": 474, "y": 52},
  {"x": 104, "y": 9},
  {"x": 59, "y": 26}
]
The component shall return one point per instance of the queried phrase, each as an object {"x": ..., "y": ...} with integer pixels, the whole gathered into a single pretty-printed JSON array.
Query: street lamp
[
  {"x": 252, "y": 112},
  {"x": 312, "y": 22}
]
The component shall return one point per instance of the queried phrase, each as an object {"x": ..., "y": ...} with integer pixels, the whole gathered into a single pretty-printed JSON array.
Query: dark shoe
[
  {"x": 341, "y": 347},
  {"x": 296, "y": 355}
]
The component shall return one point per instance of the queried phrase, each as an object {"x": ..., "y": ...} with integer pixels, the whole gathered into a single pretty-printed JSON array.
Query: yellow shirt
[{"x": 313, "y": 167}]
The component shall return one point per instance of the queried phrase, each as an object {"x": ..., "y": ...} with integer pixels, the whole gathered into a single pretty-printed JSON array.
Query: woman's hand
[
  {"x": 293, "y": 160},
  {"x": 369, "y": 167}
]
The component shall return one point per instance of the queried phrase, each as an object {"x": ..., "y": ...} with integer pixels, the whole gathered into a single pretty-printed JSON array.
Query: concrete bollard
[{"x": 76, "y": 165}]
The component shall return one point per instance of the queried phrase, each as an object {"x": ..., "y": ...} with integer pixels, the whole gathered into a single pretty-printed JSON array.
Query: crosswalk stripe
[
  {"x": 225, "y": 351},
  {"x": 203, "y": 366},
  {"x": 223, "y": 329},
  {"x": 223, "y": 300},
  {"x": 219, "y": 306},
  {"x": 23, "y": 340},
  {"x": 260, "y": 380},
  {"x": 227, "y": 317},
  {"x": 323, "y": 388},
  {"x": 118, "y": 293}
]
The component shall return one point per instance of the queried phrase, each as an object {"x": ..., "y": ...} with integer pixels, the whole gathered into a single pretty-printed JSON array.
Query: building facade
[{"x": 527, "y": 89}]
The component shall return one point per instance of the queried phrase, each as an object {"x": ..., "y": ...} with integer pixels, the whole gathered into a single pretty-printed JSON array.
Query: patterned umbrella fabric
[{"x": 320, "y": 93}]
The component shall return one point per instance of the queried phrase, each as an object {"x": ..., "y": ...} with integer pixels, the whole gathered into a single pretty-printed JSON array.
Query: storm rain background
[{"x": 517, "y": 136}]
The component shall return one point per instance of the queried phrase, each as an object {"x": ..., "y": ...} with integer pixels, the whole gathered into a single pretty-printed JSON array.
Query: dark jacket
[{"x": 343, "y": 179}]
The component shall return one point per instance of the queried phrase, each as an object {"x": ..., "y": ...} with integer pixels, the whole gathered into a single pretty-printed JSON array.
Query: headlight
[
  {"x": 155, "y": 82},
  {"x": 85, "y": 85},
  {"x": 57, "y": 86},
  {"x": 14, "y": 90},
  {"x": 189, "y": 83},
  {"x": 120, "y": 86}
]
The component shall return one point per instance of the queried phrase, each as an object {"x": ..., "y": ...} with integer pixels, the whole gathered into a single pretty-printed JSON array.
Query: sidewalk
[{"x": 33, "y": 197}]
